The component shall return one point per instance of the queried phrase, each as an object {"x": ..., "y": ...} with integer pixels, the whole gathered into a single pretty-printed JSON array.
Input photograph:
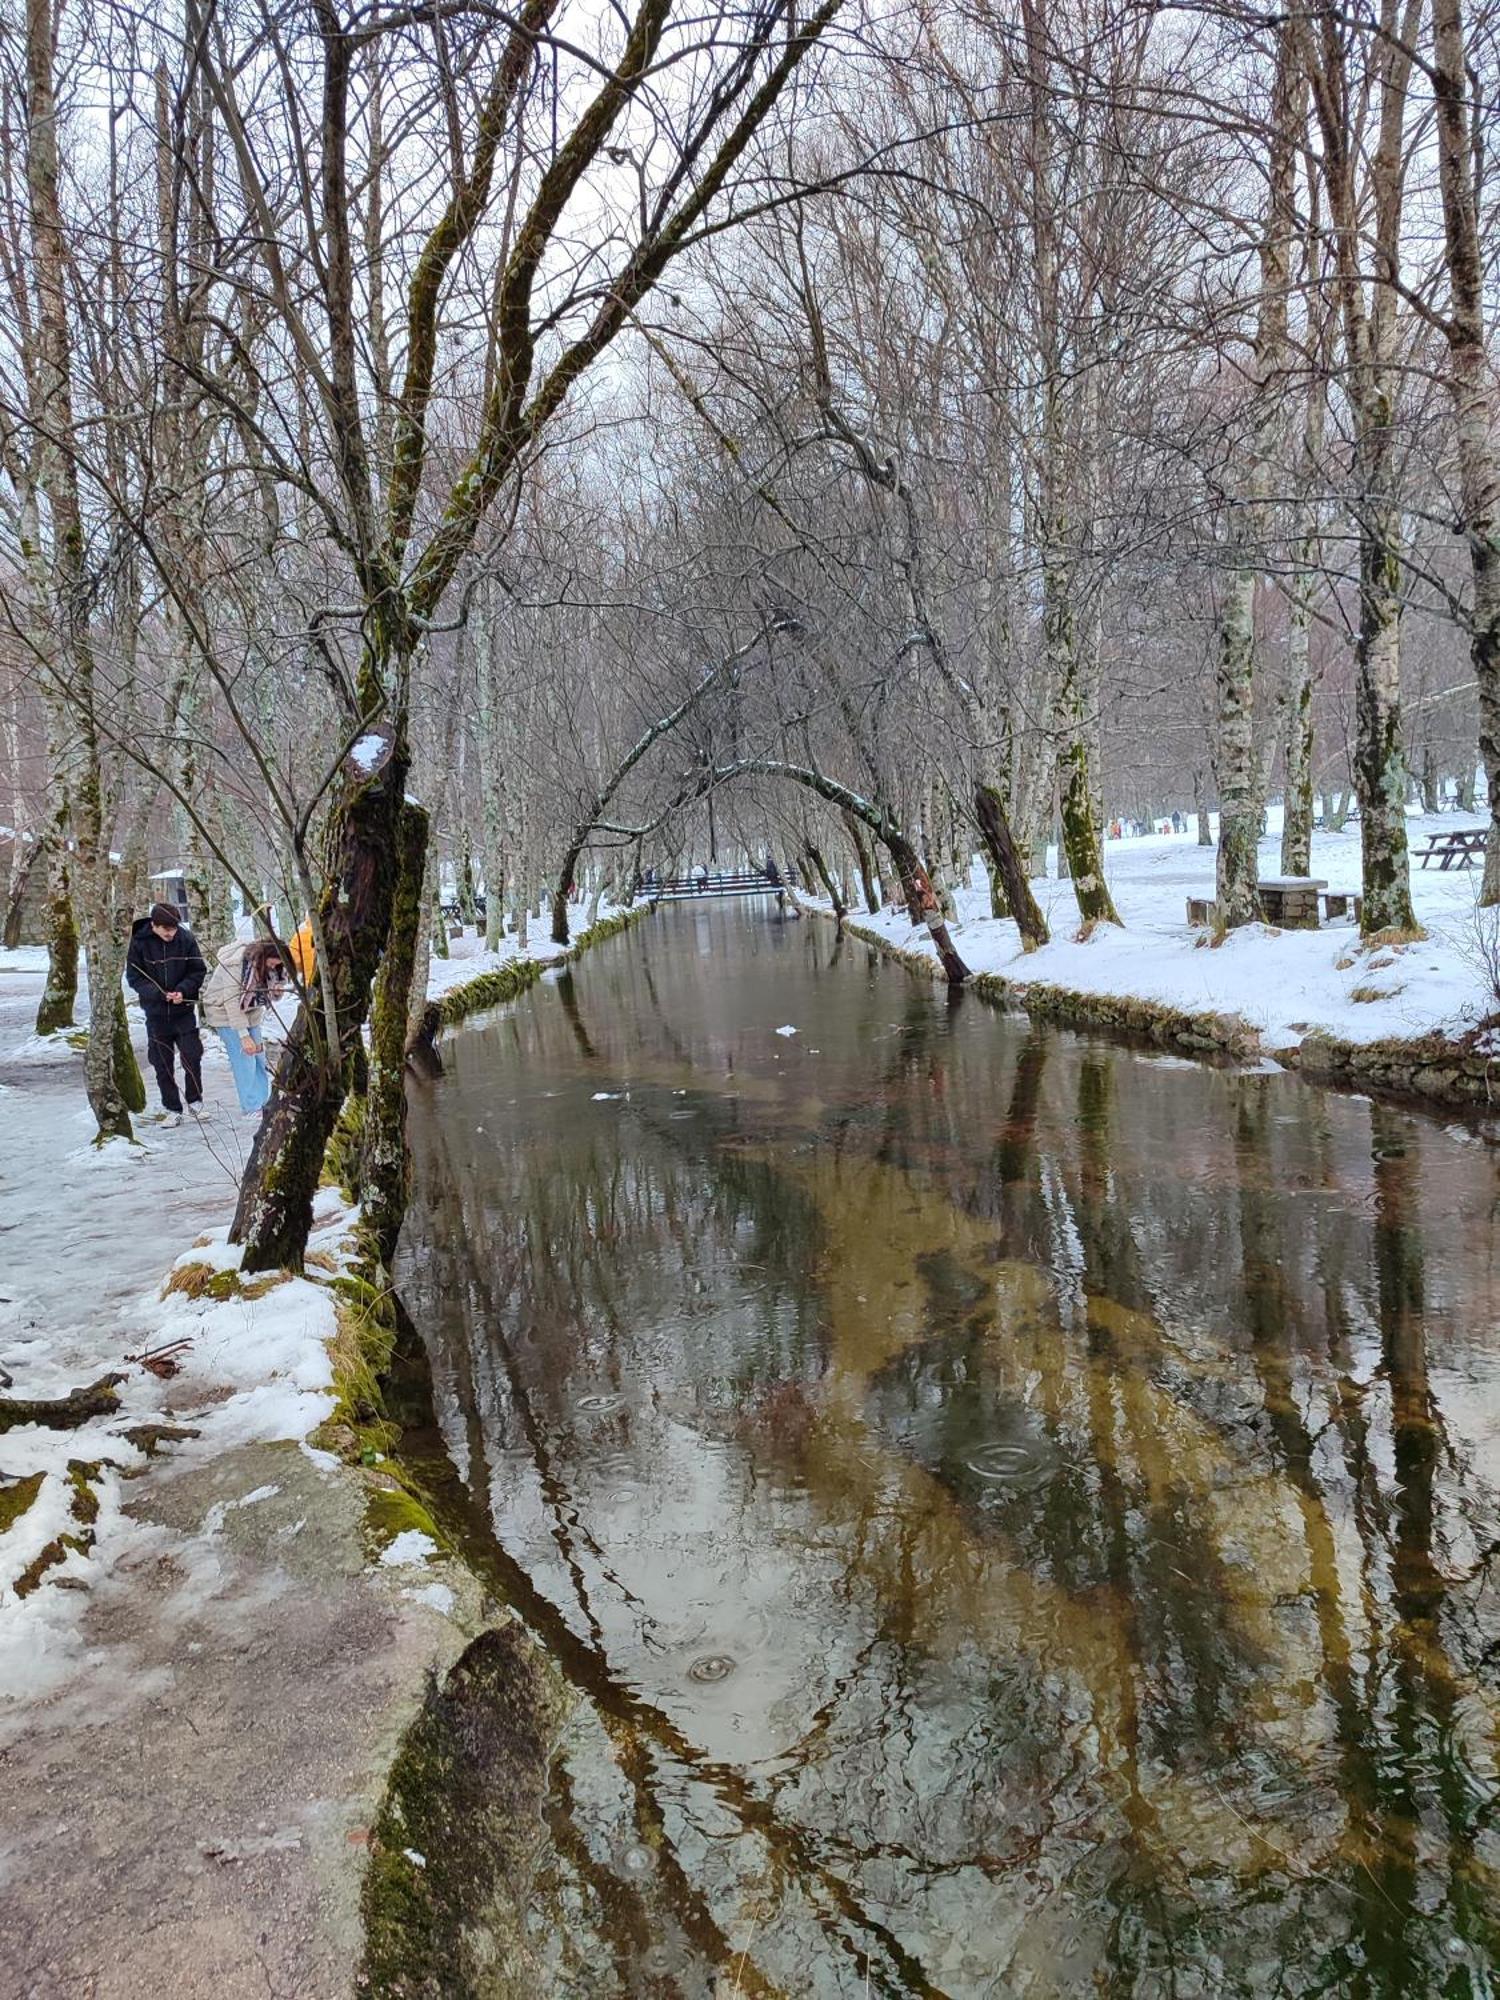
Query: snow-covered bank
[
  {"x": 469, "y": 961},
  {"x": 1287, "y": 987},
  {"x": 117, "y": 1271}
]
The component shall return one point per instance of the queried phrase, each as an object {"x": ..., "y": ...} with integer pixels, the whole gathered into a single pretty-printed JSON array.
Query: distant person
[
  {"x": 164, "y": 969},
  {"x": 249, "y": 976}
]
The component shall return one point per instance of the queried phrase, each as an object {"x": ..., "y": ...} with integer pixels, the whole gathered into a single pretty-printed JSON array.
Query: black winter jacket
[{"x": 155, "y": 967}]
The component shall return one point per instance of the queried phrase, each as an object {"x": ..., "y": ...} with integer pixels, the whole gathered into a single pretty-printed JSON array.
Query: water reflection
[{"x": 1018, "y": 1517}]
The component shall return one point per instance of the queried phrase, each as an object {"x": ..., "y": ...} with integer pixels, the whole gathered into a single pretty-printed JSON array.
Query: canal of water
[{"x": 1002, "y": 1514}]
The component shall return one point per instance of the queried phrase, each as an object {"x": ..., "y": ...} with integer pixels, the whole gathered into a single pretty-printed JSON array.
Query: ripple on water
[
  {"x": 712, "y": 1668},
  {"x": 1014, "y": 1466}
]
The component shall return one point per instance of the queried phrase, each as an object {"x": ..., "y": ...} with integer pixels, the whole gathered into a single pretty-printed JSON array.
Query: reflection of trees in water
[{"x": 1218, "y": 1642}]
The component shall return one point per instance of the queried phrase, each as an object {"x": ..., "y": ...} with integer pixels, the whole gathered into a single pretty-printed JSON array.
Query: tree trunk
[
  {"x": 60, "y": 994},
  {"x": 1379, "y": 767},
  {"x": 1297, "y": 790},
  {"x": 560, "y": 893},
  {"x": 29, "y": 855},
  {"x": 1005, "y": 858},
  {"x": 274, "y": 1213},
  {"x": 922, "y": 900},
  {"x": 385, "y": 1176},
  {"x": 1237, "y": 870},
  {"x": 869, "y": 888},
  {"x": 1200, "y": 807},
  {"x": 1471, "y": 384},
  {"x": 105, "y": 960},
  {"x": 830, "y": 887},
  {"x": 422, "y": 962}
]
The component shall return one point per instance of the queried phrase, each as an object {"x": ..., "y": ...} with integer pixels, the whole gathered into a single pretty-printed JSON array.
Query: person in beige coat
[{"x": 248, "y": 976}]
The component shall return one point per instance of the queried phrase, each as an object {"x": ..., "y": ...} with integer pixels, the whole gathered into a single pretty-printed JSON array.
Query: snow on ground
[
  {"x": 1284, "y": 983},
  {"x": 89, "y": 1238},
  {"x": 468, "y": 957}
]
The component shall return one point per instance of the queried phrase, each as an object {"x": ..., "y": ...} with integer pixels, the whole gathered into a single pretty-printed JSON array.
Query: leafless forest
[{"x": 446, "y": 449}]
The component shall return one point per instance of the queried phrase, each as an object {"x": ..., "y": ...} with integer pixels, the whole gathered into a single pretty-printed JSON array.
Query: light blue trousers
[{"x": 252, "y": 1080}]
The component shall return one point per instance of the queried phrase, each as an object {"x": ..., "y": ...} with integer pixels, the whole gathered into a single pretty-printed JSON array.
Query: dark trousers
[{"x": 164, "y": 1034}]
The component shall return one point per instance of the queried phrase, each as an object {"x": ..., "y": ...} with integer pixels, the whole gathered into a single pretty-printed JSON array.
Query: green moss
[
  {"x": 358, "y": 1429},
  {"x": 345, "y": 1150},
  {"x": 459, "y": 1835},
  {"x": 16, "y": 1500},
  {"x": 128, "y": 1079},
  {"x": 395, "y": 1509},
  {"x": 207, "y": 1281},
  {"x": 83, "y": 1477},
  {"x": 492, "y": 989},
  {"x": 489, "y": 989}
]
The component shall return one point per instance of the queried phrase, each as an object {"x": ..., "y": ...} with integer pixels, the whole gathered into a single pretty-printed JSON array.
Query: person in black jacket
[{"x": 164, "y": 969}]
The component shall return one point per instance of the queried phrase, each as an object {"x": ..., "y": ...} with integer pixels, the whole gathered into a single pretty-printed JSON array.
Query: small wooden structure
[
  {"x": 1458, "y": 849},
  {"x": 1202, "y": 910},
  {"x": 1291, "y": 901},
  {"x": 1343, "y": 903},
  {"x": 745, "y": 882}
]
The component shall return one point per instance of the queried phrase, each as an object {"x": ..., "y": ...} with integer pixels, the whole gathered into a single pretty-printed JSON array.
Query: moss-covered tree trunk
[
  {"x": 128, "y": 1079},
  {"x": 1004, "y": 857},
  {"x": 1379, "y": 765},
  {"x": 60, "y": 994},
  {"x": 274, "y": 1213},
  {"x": 385, "y": 1179},
  {"x": 106, "y": 966}
]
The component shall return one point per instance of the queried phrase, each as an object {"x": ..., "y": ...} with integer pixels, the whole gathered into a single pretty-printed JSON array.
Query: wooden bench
[
  {"x": 1291, "y": 901},
  {"x": 1461, "y": 848}
]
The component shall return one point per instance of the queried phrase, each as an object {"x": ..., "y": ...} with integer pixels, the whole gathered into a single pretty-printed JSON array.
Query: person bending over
[
  {"x": 164, "y": 969},
  {"x": 249, "y": 975}
]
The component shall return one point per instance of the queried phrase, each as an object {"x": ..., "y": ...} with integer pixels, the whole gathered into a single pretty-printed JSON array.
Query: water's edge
[{"x": 1425, "y": 1071}]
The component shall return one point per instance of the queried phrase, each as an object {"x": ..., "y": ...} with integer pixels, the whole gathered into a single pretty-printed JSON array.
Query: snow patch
[{"x": 410, "y": 1546}]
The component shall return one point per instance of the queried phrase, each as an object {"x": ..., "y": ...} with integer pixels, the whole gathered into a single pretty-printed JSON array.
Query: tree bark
[
  {"x": 1297, "y": 789},
  {"x": 1241, "y": 790},
  {"x": 53, "y": 414},
  {"x": 830, "y": 887},
  {"x": 869, "y": 888},
  {"x": 385, "y": 1180},
  {"x": 1369, "y": 330},
  {"x": 1005, "y": 858},
  {"x": 274, "y": 1213},
  {"x": 60, "y": 994},
  {"x": 1471, "y": 385},
  {"x": 1236, "y": 868}
]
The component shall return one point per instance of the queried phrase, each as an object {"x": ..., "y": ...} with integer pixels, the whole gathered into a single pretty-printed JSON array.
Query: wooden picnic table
[{"x": 1460, "y": 847}]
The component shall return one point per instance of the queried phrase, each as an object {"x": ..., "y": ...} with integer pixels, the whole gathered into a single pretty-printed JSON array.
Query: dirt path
[{"x": 184, "y": 1791}]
